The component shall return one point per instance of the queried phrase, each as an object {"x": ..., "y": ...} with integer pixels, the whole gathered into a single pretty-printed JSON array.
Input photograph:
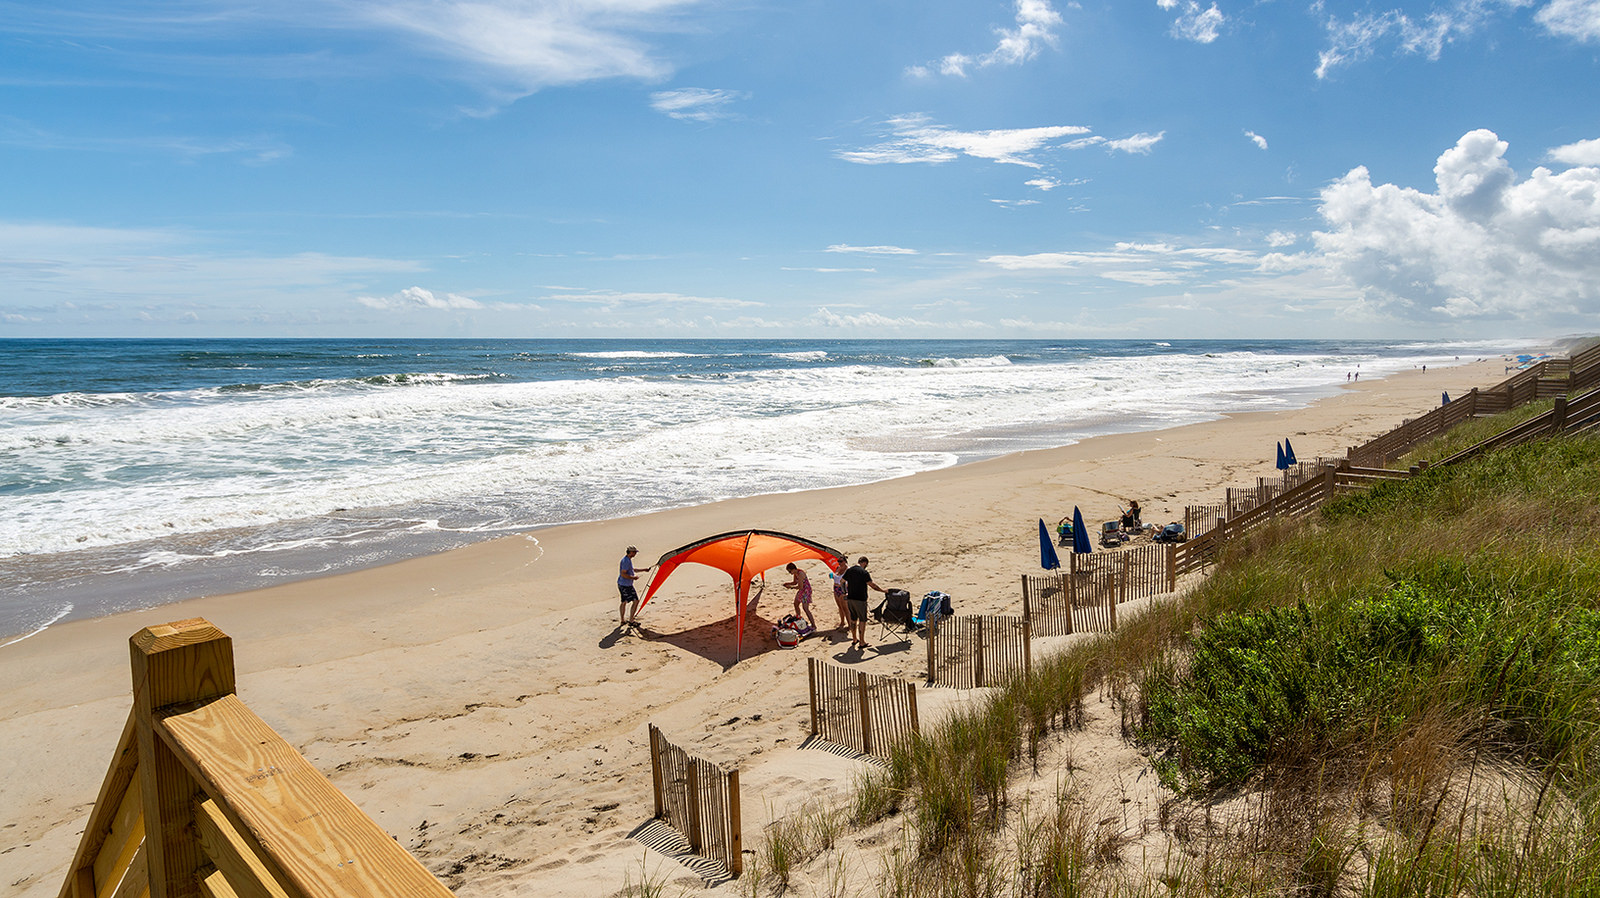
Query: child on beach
[{"x": 801, "y": 584}]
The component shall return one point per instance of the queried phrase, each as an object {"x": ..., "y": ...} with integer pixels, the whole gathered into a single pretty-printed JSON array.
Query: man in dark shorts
[
  {"x": 856, "y": 582},
  {"x": 626, "y": 574}
]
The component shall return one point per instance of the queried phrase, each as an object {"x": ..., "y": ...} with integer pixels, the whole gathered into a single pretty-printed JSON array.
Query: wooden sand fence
[
  {"x": 699, "y": 800},
  {"x": 978, "y": 650},
  {"x": 869, "y": 713},
  {"x": 203, "y": 798},
  {"x": 1052, "y": 607}
]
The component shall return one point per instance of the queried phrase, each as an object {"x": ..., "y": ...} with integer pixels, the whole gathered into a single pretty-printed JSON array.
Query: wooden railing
[
  {"x": 1579, "y": 415},
  {"x": 699, "y": 800},
  {"x": 866, "y": 712},
  {"x": 978, "y": 650},
  {"x": 203, "y": 798}
]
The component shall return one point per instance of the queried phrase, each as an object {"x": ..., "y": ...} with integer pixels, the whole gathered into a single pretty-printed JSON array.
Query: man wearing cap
[{"x": 626, "y": 574}]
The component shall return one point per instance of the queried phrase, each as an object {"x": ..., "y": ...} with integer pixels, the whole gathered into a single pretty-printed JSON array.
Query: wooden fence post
[
  {"x": 911, "y": 696},
  {"x": 1067, "y": 597},
  {"x": 1027, "y": 648},
  {"x": 1127, "y": 565},
  {"x": 695, "y": 841},
  {"x": 655, "y": 772},
  {"x": 1112, "y": 601},
  {"x": 977, "y": 658},
  {"x": 185, "y": 661},
  {"x": 735, "y": 827},
  {"x": 863, "y": 699},
  {"x": 811, "y": 669},
  {"x": 1025, "y": 605},
  {"x": 1558, "y": 417},
  {"x": 933, "y": 635},
  {"x": 1172, "y": 567}
]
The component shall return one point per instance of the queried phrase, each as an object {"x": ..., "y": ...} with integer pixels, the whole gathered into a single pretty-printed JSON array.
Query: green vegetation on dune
[{"x": 1405, "y": 688}]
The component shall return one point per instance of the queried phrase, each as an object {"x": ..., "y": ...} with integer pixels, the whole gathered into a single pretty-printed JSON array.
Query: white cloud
[
  {"x": 872, "y": 250},
  {"x": 1043, "y": 183},
  {"x": 1036, "y": 22},
  {"x": 1194, "y": 23},
  {"x": 1577, "y": 19},
  {"x": 871, "y": 321},
  {"x": 1138, "y": 143},
  {"x": 695, "y": 104},
  {"x": 917, "y": 139},
  {"x": 1484, "y": 245},
  {"x": 623, "y": 299},
  {"x": 1584, "y": 152},
  {"x": 1144, "y": 264},
  {"x": 1282, "y": 238},
  {"x": 537, "y": 43},
  {"x": 1359, "y": 37},
  {"x": 418, "y": 298},
  {"x": 1256, "y": 139}
]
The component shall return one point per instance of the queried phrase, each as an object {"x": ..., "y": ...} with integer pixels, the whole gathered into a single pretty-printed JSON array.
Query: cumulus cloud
[
  {"x": 1584, "y": 152},
  {"x": 412, "y": 298},
  {"x": 1256, "y": 139},
  {"x": 695, "y": 104},
  {"x": 1577, "y": 19},
  {"x": 1043, "y": 183},
  {"x": 873, "y": 250},
  {"x": 1194, "y": 23},
  {"x": 1036, "y": 24},
  {"x": 1484, "y": 245},
  {"x": 866, "y": 321}
]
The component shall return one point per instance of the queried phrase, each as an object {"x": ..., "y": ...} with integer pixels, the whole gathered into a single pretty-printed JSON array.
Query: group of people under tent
[{"x": 850, "y": 588}]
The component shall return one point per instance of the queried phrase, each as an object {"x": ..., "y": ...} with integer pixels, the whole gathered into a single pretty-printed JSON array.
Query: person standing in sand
[
  {"x": 839, "y": 597},
  {"x": 801, "y": 584},
  {"x": 857, "y": 581},
  {"x": 628, "y": 610}
]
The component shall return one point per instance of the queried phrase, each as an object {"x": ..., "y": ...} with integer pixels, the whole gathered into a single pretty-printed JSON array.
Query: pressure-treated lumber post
[
  {"x": 735, "y": 828},
  {"x": 933, "y": 634},
  {"x": 1172, "y": 567},
  {"x": 1112, "y": 601},
  {"x": 1025, "y": 605},
  {"x": 911, "y": 696},
  {"x": 182, "y": 662},
  {"x": 1558, "y": 415},
  {"x": 655, "y": 772}
]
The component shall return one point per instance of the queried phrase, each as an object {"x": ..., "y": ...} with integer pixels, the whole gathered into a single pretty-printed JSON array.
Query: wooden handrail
[{"x": 203, "y": 799}]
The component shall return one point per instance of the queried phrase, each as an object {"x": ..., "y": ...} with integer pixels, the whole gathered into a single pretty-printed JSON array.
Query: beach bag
[{"x": 787, "y": 637}]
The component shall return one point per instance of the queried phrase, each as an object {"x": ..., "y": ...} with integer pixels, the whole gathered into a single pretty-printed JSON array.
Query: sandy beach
[{"x": 482, "y": 707}]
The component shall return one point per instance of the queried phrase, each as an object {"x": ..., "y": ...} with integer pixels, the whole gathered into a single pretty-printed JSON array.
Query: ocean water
[{"x": 138, "y": 472}]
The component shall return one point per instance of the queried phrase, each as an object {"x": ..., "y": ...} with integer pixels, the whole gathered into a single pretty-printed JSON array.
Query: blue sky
[{"x": 811, "y": 168}]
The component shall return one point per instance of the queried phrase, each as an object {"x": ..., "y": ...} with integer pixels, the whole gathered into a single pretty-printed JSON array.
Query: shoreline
[
  {"x": 389, "y": 678},
  {"x": 56, "y": 589}
]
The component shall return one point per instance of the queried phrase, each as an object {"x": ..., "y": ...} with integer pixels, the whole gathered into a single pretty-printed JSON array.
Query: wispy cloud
[
  {"x": 1359, "y": 37},
  {"x": 623, "y": 299},
  {"x": 1577, "y": 19},
  {"x": 1194, "y": 22},
  {"x": 872, "y": 250},
  {"x": 915, "y": 138},
  {"x": 696, "y": 104},
  {"x": 257, "y": 150},
  {"x": 1144, "y": 264},
  {"x": 1256, "y": 139},
  {"x": 1036, "y": 23}
]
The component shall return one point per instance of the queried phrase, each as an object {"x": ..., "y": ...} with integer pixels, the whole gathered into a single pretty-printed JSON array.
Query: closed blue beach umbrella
[
  {"x": 1048, "y": 559},
  {"x": 1288, "y": 454},
  {"x": 1444, "y": 398},
  {"x": 1281, "y": 464},
  {"x": 1080, "y": 534}
]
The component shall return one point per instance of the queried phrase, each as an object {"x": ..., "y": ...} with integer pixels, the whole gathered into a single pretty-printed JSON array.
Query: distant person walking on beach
[
  {"x": 628, "y": 610},
  {"x": 801, "y": 584},
  {"x": 857, "y": 581}
]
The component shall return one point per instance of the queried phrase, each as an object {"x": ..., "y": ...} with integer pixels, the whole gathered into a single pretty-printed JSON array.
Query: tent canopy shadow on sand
[{"x": 742, "y": 555}]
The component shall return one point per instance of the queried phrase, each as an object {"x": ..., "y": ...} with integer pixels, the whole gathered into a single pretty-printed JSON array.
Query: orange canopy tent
[{"x": 742, "y": 555}]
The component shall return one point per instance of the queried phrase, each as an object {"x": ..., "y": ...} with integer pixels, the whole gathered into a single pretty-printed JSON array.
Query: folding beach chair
[
  {"x": 894, "y": 610},
  {"x": 934, "y": 605}
]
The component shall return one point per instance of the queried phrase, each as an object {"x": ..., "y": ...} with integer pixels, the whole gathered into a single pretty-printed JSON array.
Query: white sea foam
[{"x": 814, "y": 355}]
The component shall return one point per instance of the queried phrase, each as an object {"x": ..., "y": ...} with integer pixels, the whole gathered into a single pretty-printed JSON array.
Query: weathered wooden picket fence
[
  {"x": 698, "y": 799},
  {"x": 978, "y": 650},
  {"x": 1052, "y": 606},
  {"x": 203, "y": 798},
  {"x": 869, "y": 713}
]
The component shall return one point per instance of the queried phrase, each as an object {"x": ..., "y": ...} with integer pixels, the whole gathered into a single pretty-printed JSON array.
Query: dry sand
[{"x": 481, "y": 706}]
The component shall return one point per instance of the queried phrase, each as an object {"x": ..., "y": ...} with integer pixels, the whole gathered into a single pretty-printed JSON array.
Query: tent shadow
[{"x": 716, "y": 641}]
